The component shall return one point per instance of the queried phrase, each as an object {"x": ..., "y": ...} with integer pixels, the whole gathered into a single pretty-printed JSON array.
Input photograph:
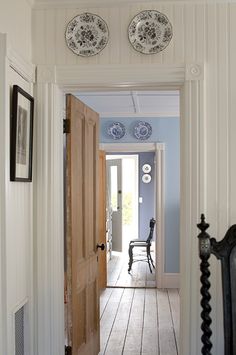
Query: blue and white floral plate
[
  {"x": 87, "y": 34},
  {"x": 142, "y": 130},
  {"x": 116, "y": 130}
]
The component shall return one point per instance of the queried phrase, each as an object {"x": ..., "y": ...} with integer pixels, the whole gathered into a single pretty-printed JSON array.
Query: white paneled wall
[
  {"x": 203, "y": 33},
  {"x": 16, "y": 216},
  {"x": 15, "y": 20},
  {"x": 19, "y": 238}
]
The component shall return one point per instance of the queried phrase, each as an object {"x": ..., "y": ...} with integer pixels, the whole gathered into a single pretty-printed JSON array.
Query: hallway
[{"x": 139, "y": 321}]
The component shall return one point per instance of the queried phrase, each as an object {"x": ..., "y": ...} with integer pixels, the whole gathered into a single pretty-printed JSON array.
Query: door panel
[
  {"x": 102, "y": 260},
  {"x": 114, "y": 178},
  {"x": 82, "y": 310}
]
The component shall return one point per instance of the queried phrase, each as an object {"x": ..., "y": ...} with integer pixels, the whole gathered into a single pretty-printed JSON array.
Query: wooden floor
[
  {"x": 139, "y": 276},
  {"x": 139, "y": 321}
]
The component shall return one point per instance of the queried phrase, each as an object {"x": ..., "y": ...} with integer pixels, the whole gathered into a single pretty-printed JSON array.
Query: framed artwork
[{"x": 21, "y": 142}]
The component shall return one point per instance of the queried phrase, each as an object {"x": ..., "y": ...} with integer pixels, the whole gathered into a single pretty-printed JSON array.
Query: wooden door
[
  {"x": 82, "y": 295},
  {"x": 102, "y": 260}
]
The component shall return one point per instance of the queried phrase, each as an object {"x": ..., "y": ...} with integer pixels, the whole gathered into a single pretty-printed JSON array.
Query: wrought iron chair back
[{"x": 225, "y": 251}]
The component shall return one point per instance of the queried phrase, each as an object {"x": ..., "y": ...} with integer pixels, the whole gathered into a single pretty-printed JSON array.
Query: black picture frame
[{"x": 21, "y": 140}]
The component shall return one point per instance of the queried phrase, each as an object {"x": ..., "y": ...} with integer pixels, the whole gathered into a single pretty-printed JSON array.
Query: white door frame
[
  {"x": 52, "y": 83},
  {"x": 159, "y": 149}
]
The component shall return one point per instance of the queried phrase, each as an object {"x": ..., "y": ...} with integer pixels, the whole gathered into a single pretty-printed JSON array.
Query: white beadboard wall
[
  {"x": 203, "y": 33},
  {"x": 15, "y": 20},
  {"x": 16, "y": 215},
  {"x": 19, "y": 238},
  {"x": 191, "y": 24}
]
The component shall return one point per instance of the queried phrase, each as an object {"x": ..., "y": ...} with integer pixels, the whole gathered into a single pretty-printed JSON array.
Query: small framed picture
[{"x": 21, "y": 143}]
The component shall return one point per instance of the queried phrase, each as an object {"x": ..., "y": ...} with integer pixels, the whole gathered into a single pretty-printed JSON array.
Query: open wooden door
[
  {"x": 102, "y": 259},
  {"x": 81, "y": 266}
]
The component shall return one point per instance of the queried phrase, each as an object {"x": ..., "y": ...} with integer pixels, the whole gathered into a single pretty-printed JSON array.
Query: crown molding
[
  {"x": 42, "y": 4},
  {"x": 167, "y": 114}
]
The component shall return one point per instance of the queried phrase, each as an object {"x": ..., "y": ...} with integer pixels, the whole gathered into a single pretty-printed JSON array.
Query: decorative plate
[
  {"x": 150, "y": 32},
  {"x": 146, "y": 178},
  {"x": 116, "y": 130},
  {"x": 87, "y": 34},
  {"x": 146, "y": 168},
  {"x": 142, "y": 130}
]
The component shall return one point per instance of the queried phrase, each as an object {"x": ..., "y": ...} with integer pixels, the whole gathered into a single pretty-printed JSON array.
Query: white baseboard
[{"x": 170, "y": 280}]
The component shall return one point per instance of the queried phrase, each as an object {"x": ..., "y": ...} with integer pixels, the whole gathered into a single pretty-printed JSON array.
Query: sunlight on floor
[{"x": 139, "y": 276}]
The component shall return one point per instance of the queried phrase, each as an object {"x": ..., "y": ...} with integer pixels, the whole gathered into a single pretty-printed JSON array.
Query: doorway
[
  {"x": 122, "y": 197},
  {"x": 192, "y": 103},
  {"x": 163, "y": 117},
  {"x": 130, "y": 205}
]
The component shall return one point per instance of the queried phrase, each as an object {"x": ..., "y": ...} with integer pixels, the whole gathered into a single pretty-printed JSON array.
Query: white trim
[
  {"x": 49, "y": 226},
  {"x": 157, "y": 114},
  {"x": 24, "y": 68},
  {"x": 3, "y": 93},
  {"x": 159, "y": 149},
  {"x": 136, "y": 103},
  {"x": 48, "y": 4},
  {"x": 160, "y": 212},
  {"x": 130, "y": 147},
  {"x": 171, "y": 280},
  {"x": 99, "y": 77}
]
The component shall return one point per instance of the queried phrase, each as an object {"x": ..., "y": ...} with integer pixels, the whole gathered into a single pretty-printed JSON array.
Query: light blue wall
[
  {"x": 165, "y": 130},
  {"x": 147, "y": 192}
]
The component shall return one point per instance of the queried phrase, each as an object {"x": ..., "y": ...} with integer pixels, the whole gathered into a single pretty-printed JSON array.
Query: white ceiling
[{"x": 133, "y": 103}]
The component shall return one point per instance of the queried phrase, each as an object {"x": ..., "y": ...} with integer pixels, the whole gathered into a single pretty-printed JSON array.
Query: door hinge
[{"x": 66, "y": 126}]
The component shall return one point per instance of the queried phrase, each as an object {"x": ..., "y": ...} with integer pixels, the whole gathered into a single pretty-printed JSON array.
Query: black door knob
[{"x": 101, "y": 246}]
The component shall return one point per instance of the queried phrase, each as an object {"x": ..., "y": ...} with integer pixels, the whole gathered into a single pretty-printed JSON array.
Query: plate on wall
[
  {"x": 142, "y": 130},
  {"x": 116, "y": 130},
  {"x": 87, "y": 34},
  {"x": 150, "y": 32},
  {"x": 146, "y": 168},
  {"x": 146, "y": 178}
]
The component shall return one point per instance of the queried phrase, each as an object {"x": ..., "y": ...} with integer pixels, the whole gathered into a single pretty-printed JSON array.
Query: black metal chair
[
  {"x": 142, "y": 244},
  {"x": 225, "y": 251}
]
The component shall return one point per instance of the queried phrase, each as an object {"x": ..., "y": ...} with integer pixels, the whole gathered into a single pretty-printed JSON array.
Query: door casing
[
  {"x": 159, "y": 149},
  {"x": 52, "y": 83}
]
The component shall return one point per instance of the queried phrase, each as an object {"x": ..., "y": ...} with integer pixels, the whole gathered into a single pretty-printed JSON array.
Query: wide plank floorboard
[
  {"x": 140, "y": 275},
  {"x": 165, "y": 324},
  {"x": 139, "y": 321}
]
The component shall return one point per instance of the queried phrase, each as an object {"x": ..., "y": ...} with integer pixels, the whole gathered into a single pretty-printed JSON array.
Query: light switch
[{"x": 140, "y": 200}]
